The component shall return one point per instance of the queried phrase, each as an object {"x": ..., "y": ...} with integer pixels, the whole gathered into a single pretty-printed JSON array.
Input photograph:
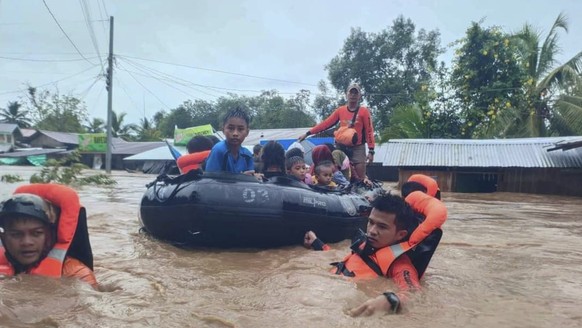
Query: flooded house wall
[
  {"x": 553, "y": 181},
  {"x": 542, "y": 181}
]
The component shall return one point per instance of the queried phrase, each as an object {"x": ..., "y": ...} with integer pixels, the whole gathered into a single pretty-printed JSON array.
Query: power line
[
  {"x": 213, "y": 88},
  {"x": 87, "y": 15},
  {"x": 46, "y": 60},
  {"x": 65, "y": 33},
  {"x": 148, "y": 90},
  {"x": 169, "y": 85},
  {"x": 219, "y": 71},
  {"x": 52, "y": 82},
  {"x": 126, "y": 93},
  {"x": 163, "y": 77}
]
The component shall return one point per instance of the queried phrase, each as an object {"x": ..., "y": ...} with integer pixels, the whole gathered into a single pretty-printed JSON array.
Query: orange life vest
[
  {"x": 191, "y": 161},
  {"x": 377, "y": 264},
  {"x": 429, "y": 183},
  {"x": 68, "y": 201}
]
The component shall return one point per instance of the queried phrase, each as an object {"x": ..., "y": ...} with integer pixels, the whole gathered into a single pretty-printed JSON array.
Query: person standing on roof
[{"x": 354, "y": 132}]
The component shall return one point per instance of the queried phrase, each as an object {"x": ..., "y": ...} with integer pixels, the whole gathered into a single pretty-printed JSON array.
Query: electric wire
[
  {"x": 148, "y": 90},
  {"x": 87, "y": 16},
  {"x": 219, "y": 71},
  {"x": 65, "y": 33}
]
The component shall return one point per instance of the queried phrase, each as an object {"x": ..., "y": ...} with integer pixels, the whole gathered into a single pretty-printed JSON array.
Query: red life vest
[
  {"x": 68, "y": 201},
  {"x": 191, "y": 161},
  {"x": 377, "y": 264}
]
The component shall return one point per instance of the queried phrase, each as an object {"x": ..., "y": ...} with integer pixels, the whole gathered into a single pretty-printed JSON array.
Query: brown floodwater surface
[{"x": 505, "y": 260}]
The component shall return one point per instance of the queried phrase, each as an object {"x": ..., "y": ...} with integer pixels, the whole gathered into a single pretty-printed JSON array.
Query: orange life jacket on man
[
  {"x": 377, "y": 264},
  {"x": 192, "y": 161},
  {"x": 68, "y": 201}
]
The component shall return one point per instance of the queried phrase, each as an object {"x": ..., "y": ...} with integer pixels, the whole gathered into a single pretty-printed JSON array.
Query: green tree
[
  {"x": 488, "y": 79},
  {"x": 146, "y": 131},
  {"x": 15, "y": 115},
  {"x": 119, "y": 129},
  {"x": 56, "y": 112},
  {"x": 275, "y": 112},
  {"x": 391, "y": 66},
  {"x": 97, "y": 125},
  {"x": 546, "y": 81},
  {"x": 325, "y": 103},
  {"x": 566, "y": 119}
]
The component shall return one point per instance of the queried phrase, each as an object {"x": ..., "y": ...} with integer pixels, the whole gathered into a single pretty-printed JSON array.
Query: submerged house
[
  {"x": 528, "y": 165},
  {"x": 9, "y": 133}
]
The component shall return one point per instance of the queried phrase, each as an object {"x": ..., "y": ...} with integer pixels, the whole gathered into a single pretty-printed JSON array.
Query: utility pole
[{"x": 109, "y": 83}]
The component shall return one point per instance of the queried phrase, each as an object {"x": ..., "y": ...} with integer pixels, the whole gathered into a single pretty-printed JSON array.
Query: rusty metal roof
[{"x": 523, "y": 152}]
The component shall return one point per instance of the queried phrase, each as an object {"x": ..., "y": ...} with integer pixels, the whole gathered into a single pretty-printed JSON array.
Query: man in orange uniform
[
  {"x": 386, "y": 250},
  {"x": 37, "y": 233},
  {"x": 362, "y": 123}
]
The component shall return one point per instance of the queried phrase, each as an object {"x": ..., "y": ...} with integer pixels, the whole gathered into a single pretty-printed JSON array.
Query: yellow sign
[{"x": 182, "y": 136}]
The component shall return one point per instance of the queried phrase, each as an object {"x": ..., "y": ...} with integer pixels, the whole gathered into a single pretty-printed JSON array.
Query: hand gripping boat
[{"x": 235, "y": 210}]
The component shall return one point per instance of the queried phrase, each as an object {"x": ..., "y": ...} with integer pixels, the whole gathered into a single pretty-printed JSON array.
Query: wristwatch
[{"x": 393, "y": 300}]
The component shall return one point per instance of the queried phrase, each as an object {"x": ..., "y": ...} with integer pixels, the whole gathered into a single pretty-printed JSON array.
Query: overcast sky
[{"x": 222, "y": 46}]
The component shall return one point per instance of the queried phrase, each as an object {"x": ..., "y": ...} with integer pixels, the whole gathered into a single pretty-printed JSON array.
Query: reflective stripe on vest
[
  {"x": 435, "y": 215},
  {"x": 354, "y": 265},
  {"x": 68, "y": 201}
]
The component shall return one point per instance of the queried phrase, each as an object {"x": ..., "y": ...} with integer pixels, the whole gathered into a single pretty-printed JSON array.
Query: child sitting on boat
[
  {"x": 229, "y": 155},
  {"x": 198, "y": 150},
  {"x": 296, "y": 168},
  {"x": 324, "y": 174},
  {"x": 273, "y": 157}
]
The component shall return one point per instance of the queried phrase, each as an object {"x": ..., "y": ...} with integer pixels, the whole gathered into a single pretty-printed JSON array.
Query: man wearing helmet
[{"x": 36, "y": 234}]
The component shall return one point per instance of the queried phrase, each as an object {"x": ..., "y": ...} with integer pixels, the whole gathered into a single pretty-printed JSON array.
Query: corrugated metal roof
[
  {"x": 5, "y": 147},
  {"x": 8, "y": 127},
  {"x": 33, "y": 152},
  {"x": 526, "y": 152},
  {"x": 27, "y": 133},
  {"x": 256, "y": 135},
  {"x": 62, "y": 137},
  {"x": 132, "y": 148}
]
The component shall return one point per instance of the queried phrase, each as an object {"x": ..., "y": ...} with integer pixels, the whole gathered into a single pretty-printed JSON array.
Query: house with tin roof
[
  {"x": 9, "y": 133},
  {"x": 529, "y": 165}
]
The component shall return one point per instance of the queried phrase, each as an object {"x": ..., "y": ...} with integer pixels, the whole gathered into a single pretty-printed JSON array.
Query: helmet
[{"x": 29, "y": 205}]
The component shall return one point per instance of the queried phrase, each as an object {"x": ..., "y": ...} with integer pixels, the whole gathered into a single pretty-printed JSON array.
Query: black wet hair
[
  {"x": 294, "y": 152},
  {"x": 291, "y": 161},
  {"x": 330, "y": 146},
  {"x": 257, "y": 149},
  {"x": 404, "y": 215},
  {"x": 410, "y": 186},
  {"x": 238, "y": 113},
  {"x": 273, "y": 155},
  {"x": 198, "y": 144},
  {"x": 324, "y": 164},
  {"x": 213, "y": 138}
]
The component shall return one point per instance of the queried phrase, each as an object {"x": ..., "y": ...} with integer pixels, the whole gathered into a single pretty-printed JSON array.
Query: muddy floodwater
[{"x": 506, "y": 260}]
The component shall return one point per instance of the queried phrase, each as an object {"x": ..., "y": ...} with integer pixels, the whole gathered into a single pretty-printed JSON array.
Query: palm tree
[
  {"x": 147, "y": 132},
  {"x": 95, "y": 126},
  {"x": 567, "y": 119},
  {"x": 546, "y": 81},
  {"x": 120, "y": 130},
  {"x": 406, "y": 123},
  {"x": 13, "y": 114}
]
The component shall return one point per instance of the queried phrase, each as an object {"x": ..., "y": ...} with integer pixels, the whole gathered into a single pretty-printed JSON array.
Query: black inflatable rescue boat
[{"x": 235, "y": 210}]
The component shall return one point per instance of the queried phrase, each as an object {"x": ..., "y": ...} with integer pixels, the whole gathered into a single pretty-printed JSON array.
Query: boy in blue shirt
[{"x": 229, "y": 155}]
